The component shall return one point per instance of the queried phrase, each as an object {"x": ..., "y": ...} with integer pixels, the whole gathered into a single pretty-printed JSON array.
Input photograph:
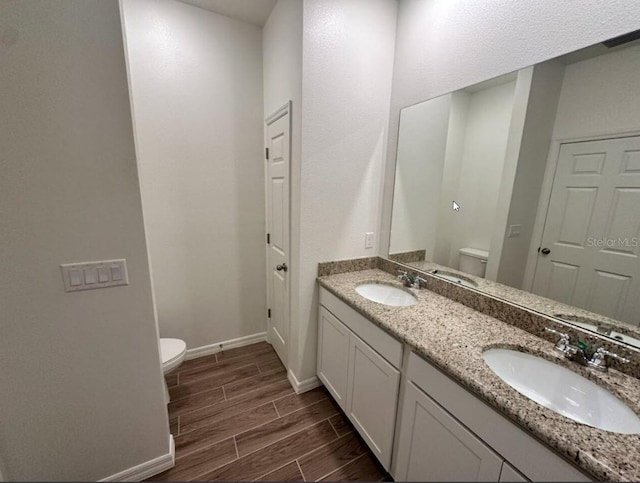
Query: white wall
[
  {"x": 196, "y": 87},
  {"x": 600, "y": 96},
  {"x": 510, "y": 258},
  {"x": 82, "y": 394},
  {"x": 488, "y": 119},
  {"x": 282, "y": 56},
  {"x": 347, "y": 63},
  {"x": 282, "y": 67},
  {"x": 486, "y": 39},
  {"x": 446, "y": 226},
  {"x": 419, "y": 175}
]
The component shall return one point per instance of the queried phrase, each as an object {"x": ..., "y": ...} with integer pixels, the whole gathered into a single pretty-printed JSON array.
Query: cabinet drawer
[{"x": 378, "y": 339}]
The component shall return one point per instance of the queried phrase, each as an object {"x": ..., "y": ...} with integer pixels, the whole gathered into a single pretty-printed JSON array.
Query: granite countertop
[
  {"x": 533, "y": 301},
  {"x": 453, "y": 337}
]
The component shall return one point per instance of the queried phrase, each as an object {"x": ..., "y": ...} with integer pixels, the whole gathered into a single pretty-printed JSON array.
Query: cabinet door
[
  {"x": 333, "y": 355},
  {"x": 433, "y": 446},
  {"x": 372, "y": 398},
  {"x": 509, "y": 473}
]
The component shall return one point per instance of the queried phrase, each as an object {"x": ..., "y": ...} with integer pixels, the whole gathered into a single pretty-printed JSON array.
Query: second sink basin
[
  {"x": 452, "y": 277},
  {"x": 562, "y": 390},
  {"x": 386, "y": 294}
]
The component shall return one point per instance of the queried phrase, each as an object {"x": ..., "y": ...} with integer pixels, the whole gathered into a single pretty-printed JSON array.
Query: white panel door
[
  {"x": 434, "y": 446},
  {"x": 277, "y": 192},
  {"x": 333, "y": 355},
  {"x": 372, "y": 398},
  {"x": 590, "y": 250}
]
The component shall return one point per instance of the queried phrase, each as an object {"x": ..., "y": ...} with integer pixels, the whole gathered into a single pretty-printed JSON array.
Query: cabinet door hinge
[
  {"x": 266, "y": 153},
  {"x": 269, "y": 313},
  {"x": 268, "y": 238}
]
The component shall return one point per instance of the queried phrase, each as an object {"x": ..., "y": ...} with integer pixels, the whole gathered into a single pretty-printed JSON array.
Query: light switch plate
[
  {"x": 514, "y": 231},
  {"x": 369, "y": 239},
  {"x": 92, "y": 275}
]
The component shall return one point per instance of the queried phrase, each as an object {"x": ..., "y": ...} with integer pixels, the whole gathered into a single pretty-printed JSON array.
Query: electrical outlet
[{"x": 369, "y": 239}]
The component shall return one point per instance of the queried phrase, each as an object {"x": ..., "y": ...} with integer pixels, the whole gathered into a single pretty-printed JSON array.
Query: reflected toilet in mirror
[{"x": 473, "y": 261}]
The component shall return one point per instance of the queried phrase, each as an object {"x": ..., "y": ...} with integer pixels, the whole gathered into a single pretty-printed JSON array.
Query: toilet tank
[{"x": 473, "y": 261}]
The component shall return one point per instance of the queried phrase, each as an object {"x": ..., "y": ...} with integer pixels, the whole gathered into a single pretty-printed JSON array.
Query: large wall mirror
[{"x": 527, "y": 187}]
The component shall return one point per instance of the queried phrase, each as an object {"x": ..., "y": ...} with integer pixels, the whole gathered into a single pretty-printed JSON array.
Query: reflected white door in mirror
[{"x": 590, "y": 246}]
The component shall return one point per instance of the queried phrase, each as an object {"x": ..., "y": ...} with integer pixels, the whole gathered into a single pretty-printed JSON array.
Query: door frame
[
  {"x": 545, "y": 196},
  {"x": 277, "y": 114}
]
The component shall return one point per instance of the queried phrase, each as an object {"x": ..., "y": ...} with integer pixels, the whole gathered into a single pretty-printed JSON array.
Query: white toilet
[
  {"x": 172, "y": 353},
  {"x": 473, "y": 261}
]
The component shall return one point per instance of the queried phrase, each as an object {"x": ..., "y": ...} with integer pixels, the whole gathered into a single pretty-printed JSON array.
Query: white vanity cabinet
[
  {"x": 359, "y": 364},
  {"x": 333, "y": 355},
  {"x": 372, "y": 398},
  {"x": 509, "y": 473},
  {"x": 441, "y": 431},
  {"x": 448, "y": 434},
  {"x": 433, "y": 446}
]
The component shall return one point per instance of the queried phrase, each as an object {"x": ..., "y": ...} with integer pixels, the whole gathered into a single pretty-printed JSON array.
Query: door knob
[
  {"x": 545, "y": 251},
  {"x": 282, "y": 268}
]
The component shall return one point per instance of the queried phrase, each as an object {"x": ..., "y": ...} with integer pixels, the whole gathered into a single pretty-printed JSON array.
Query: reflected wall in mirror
[{"x": 527, "y": 187}]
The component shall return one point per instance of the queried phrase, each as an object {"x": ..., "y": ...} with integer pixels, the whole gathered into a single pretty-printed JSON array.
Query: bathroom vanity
[{"x": 413, "y": 382}]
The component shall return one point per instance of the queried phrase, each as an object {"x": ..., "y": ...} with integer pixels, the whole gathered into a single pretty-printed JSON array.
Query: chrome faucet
[
  {"x": 599, "y": 360},
  {"x": 577, "y": 352},
  {"x": 563, "y": 342},
  {"x": 573, "y": 352},
  {"x": 410, "y": 280}
]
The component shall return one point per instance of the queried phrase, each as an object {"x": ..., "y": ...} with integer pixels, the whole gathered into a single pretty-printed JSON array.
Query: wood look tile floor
[{"x": 235, "y": 417}]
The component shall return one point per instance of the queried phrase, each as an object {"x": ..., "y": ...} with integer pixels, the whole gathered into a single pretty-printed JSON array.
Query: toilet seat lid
[{"x": 172, "y": 349}]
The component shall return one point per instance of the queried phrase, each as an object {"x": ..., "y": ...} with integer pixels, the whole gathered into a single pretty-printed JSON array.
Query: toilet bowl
[{"x": 172, "y": 353}]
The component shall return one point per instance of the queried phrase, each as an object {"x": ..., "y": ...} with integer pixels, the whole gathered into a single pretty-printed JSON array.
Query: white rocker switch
[
  {"x": 90, "y": 276},
  {"x": 103, "y": 274},
  {"x": 75, "y": 277},
  {"x": 116, "y": 273}
]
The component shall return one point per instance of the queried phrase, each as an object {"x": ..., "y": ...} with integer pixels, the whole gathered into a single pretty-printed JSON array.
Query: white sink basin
[
  {"x": 625, "y": 338},
  {"x": 456, "y": 279},
  {"x": 562, "y": 391},
  {"x": 585, "y": 323},
  {"x": 386, "y": 294}
]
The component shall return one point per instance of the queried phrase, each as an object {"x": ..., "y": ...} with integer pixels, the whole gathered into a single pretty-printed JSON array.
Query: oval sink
[
  {"x": 627, "y": 339},
  {"x": 586, "y": 323},
  {"x": 386, "y": 294},
  {"x": 452, "y": 277},
  {"x": 563, "y": 391}
]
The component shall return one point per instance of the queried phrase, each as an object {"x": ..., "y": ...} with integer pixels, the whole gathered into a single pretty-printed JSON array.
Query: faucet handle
[
  {"x": 563, "y": 343},
  {"x": 557, "y": 332},
  {"x": 613, "y": 355},
  {"x": 599, "y": 359}
]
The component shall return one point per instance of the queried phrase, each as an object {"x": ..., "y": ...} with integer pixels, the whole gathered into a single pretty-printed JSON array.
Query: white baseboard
[
  {"x": 148, "y": 468},
  {"x": 207, "y": 350},
  {"x": 303, "y": 386}
]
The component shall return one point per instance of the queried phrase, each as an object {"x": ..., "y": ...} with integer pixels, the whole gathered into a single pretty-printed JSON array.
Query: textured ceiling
[{"x": 255, "y": 12}]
